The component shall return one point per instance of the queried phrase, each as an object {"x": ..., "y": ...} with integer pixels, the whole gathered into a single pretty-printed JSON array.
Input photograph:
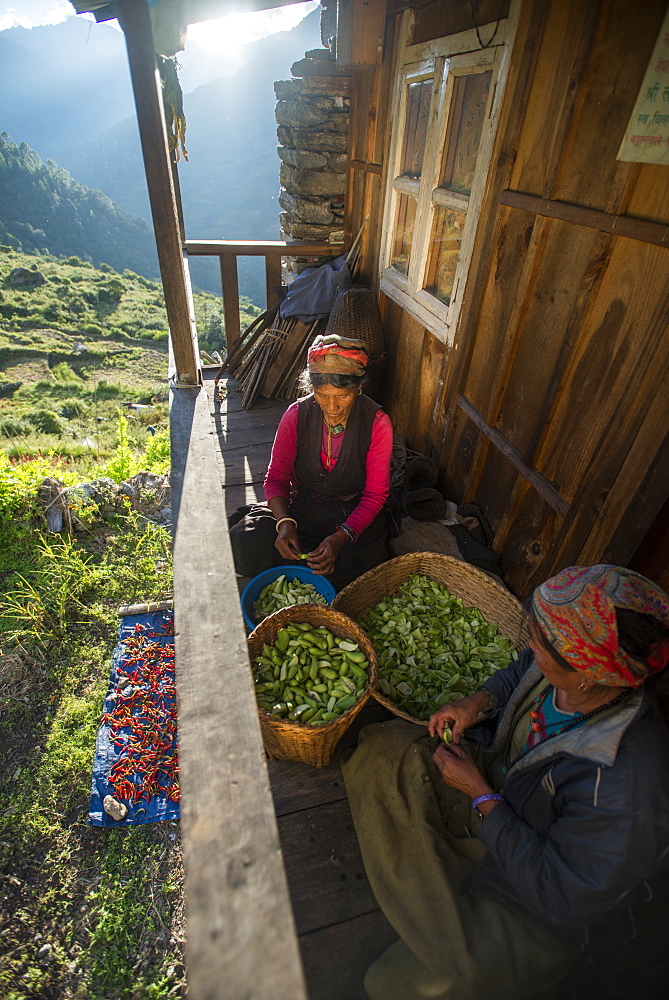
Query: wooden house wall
[{"x": 562, "y": 343}]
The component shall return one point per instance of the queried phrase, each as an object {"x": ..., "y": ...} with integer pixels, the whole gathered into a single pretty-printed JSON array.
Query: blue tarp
[
  {"x": 144, "y": 752},
  {"x": 311, "y": 294}
]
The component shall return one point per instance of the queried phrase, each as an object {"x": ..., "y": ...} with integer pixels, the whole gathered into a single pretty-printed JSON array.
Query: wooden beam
[
  {"x": 272, "y": 279},
  {"x": 370, "y": 168},
  {"x": 256, "y": 248},
  {"x": 541, "y": 485},
  {"x": 230, "y": 287},
  {"x": 240, "y": 933},
  {"x": 656, "y": 233},
  {"x": 133, "y": 16}
]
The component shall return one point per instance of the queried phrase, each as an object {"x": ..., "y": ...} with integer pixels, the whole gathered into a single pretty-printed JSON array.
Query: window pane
[
  {"x": 404, "y": 222},
  {"x": 470, "y": 97},
  {"x": 444, "y": 252},
  {"x": 419, "y": 98}
]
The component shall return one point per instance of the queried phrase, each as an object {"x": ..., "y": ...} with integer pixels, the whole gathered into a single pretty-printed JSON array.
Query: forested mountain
[
  {"x": 230, "y": 182},
  {"x": 70, "y": 100},
  {"x": 42, "y": 208}
]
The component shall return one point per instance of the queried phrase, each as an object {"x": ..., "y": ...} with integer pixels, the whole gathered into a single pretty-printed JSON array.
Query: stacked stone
[{"x": 312, "y": 114}]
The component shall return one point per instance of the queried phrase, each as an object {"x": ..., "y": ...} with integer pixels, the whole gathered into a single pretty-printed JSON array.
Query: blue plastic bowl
[{"x": 251, "y": 591}]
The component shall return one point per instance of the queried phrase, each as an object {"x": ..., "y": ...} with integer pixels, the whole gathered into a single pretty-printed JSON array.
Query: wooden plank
[
  {"x": 553, "y": 290},
  {"x": 244, "y": 465},
  {"x": 260, "y": 248},
  {"x": 298, "y": 786},
  {"x": 615, "y": 369},
  {"x": 134, "y": 19},
  {"x": 559, "y": 58},
  {"x": 242, "y": 494},
  {"x": 230, "y": 287},
  {"x": 541, "y": 485},
  {"x": 371, "y": 168},
  {"x": 290, "y": 349},
  {"x": 240, "y": 931},
  {"x": 434, "y": 20},
  {"x": 272, "y": 280},
  {"x": 604, "y": 222},
  {"x": 324, "y": 866},
  {"x": 336, "y": 958},
  {"x": 605, "y": 96}
]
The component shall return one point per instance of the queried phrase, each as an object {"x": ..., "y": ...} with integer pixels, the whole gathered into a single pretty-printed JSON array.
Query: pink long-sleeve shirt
[{"x": 279, "y": 480}]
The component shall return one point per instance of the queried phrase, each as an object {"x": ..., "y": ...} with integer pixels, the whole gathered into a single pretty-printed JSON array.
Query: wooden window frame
[{"x": 444, "y": 60}]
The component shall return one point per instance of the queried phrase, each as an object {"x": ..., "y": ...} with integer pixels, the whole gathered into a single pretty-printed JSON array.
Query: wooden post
[
  {"x": 272, "y": 279},
  {"x": 230, "y": 287},
  {"x": 133, "y": 16}
]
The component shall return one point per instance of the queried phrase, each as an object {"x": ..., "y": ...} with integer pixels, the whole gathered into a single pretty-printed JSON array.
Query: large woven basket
[
  {"x": 355, "y": 313},
  {"x": 475, "y": 587},
  {"x": 287, "y": 740}
]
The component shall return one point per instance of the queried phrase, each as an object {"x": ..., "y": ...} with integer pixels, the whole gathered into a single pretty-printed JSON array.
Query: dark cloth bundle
[
  {"x": 419, "y": 473},
  {"x": 424, "y": 505}
]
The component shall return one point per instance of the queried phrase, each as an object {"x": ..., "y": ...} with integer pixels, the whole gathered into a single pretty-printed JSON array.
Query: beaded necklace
[
  {"x": 336, "y": 429},
  {"x": 576, "y": 721}
]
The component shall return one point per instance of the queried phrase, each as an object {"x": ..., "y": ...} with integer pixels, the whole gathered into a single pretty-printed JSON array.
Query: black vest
[{"x": 347, "y": 478}]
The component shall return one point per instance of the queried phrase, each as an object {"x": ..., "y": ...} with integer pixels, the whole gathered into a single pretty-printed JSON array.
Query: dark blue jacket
[{"x": 585, "y": 821}]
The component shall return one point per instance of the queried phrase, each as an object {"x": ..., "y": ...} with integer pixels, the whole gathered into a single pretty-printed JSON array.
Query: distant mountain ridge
[
  {"x": 42, "y": 209},
  {"x": 81, "y": 114}
]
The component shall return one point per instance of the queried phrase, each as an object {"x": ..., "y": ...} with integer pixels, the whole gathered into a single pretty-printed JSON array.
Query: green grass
[{"x": 87, "y": 913}]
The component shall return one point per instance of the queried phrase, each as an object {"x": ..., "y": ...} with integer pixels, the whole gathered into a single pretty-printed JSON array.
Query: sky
[{"x": 221, "y": 35}]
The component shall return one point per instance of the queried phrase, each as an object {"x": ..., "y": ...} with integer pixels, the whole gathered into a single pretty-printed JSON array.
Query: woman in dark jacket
[
  {"x": 494, "y": 857},
  {"x": 328, "y": 477}
]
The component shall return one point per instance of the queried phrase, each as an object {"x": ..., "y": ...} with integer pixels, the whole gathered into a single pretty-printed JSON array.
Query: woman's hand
[
  {"x": 322, "y": 560},
  {"x": 287, "y": 543},
  {"x": 459, "y": 715},
  {"x": 459, "y": 771}
]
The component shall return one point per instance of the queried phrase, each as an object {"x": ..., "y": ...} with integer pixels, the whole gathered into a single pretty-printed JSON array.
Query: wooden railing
[{"x": 228, "y": 251}]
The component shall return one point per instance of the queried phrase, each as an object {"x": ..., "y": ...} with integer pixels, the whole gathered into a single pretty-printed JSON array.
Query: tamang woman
[
  {"x": 496, "y": 857},
  {"x": 328, "y": 477}
]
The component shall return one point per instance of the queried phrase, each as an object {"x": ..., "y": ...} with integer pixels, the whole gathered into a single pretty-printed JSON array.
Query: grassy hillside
[{"x": 77, "y": 349}]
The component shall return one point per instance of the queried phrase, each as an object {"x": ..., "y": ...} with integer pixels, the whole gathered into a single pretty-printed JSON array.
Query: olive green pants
[{"x": 418, "y": 842}]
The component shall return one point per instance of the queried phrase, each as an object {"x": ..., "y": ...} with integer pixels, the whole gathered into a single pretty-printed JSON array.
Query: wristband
[
  {"x": 347, "y": 531},
  {"x": 490, "y": 797},
  {"x": 282, "y": 519}
]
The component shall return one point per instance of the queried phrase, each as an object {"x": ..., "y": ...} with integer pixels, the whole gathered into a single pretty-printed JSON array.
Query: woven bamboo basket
[
  {"x": 355, "y": 313},
  {"x": 475, "y": 587},
  {"x": 287, "y": 740}
]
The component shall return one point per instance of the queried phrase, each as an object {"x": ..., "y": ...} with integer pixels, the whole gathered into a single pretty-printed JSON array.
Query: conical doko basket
[{"x": 355, "y": 313}]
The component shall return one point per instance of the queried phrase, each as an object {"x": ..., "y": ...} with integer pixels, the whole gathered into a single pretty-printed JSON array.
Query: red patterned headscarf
[
  {"x": 576, "y": 611},
  {"x": 334, "y": 355}
]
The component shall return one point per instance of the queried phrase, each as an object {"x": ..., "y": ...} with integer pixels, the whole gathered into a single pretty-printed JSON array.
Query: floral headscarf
[
  {"x": 334, "y": 355},
  {"x": 576, "y": 612}
]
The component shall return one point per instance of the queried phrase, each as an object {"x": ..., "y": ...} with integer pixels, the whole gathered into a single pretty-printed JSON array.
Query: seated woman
[
  {"x": 328, "y": 477},
  {"x": 495, "y": 856}
]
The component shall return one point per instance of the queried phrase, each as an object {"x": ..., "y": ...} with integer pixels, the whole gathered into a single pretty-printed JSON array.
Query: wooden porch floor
[{"x": 339, "y": 924}]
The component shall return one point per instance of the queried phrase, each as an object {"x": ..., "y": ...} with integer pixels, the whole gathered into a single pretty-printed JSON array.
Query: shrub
[
  {"x": 107, "y": 390},
  {"x": 46, "y": 421},
  {"x": 12, "y": 427},
  {"x": 71, "y": 408},
  {"x": 93, "y": 330},
  {"x": 63, "y": 373},
  {"x": 157, "y": 453}
]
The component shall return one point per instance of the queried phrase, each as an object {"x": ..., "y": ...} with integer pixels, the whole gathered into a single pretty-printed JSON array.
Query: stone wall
[{"x": 312, "y": 113}]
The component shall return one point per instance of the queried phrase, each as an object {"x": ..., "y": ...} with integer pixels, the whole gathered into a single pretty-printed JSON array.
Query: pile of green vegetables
[
  {"x": 284, "y": 593},
  {"x": 431, "y": 648},
  {"x": 309, "y": 675}
]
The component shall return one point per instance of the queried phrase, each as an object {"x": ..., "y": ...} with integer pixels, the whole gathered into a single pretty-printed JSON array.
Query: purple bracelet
[
  {"x": 490, "y": 797},
  {"x": 347, "y": 531}
]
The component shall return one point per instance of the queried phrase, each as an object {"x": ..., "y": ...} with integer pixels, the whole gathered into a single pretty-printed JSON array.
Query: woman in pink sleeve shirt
[{"x": 328, "y": 477}]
